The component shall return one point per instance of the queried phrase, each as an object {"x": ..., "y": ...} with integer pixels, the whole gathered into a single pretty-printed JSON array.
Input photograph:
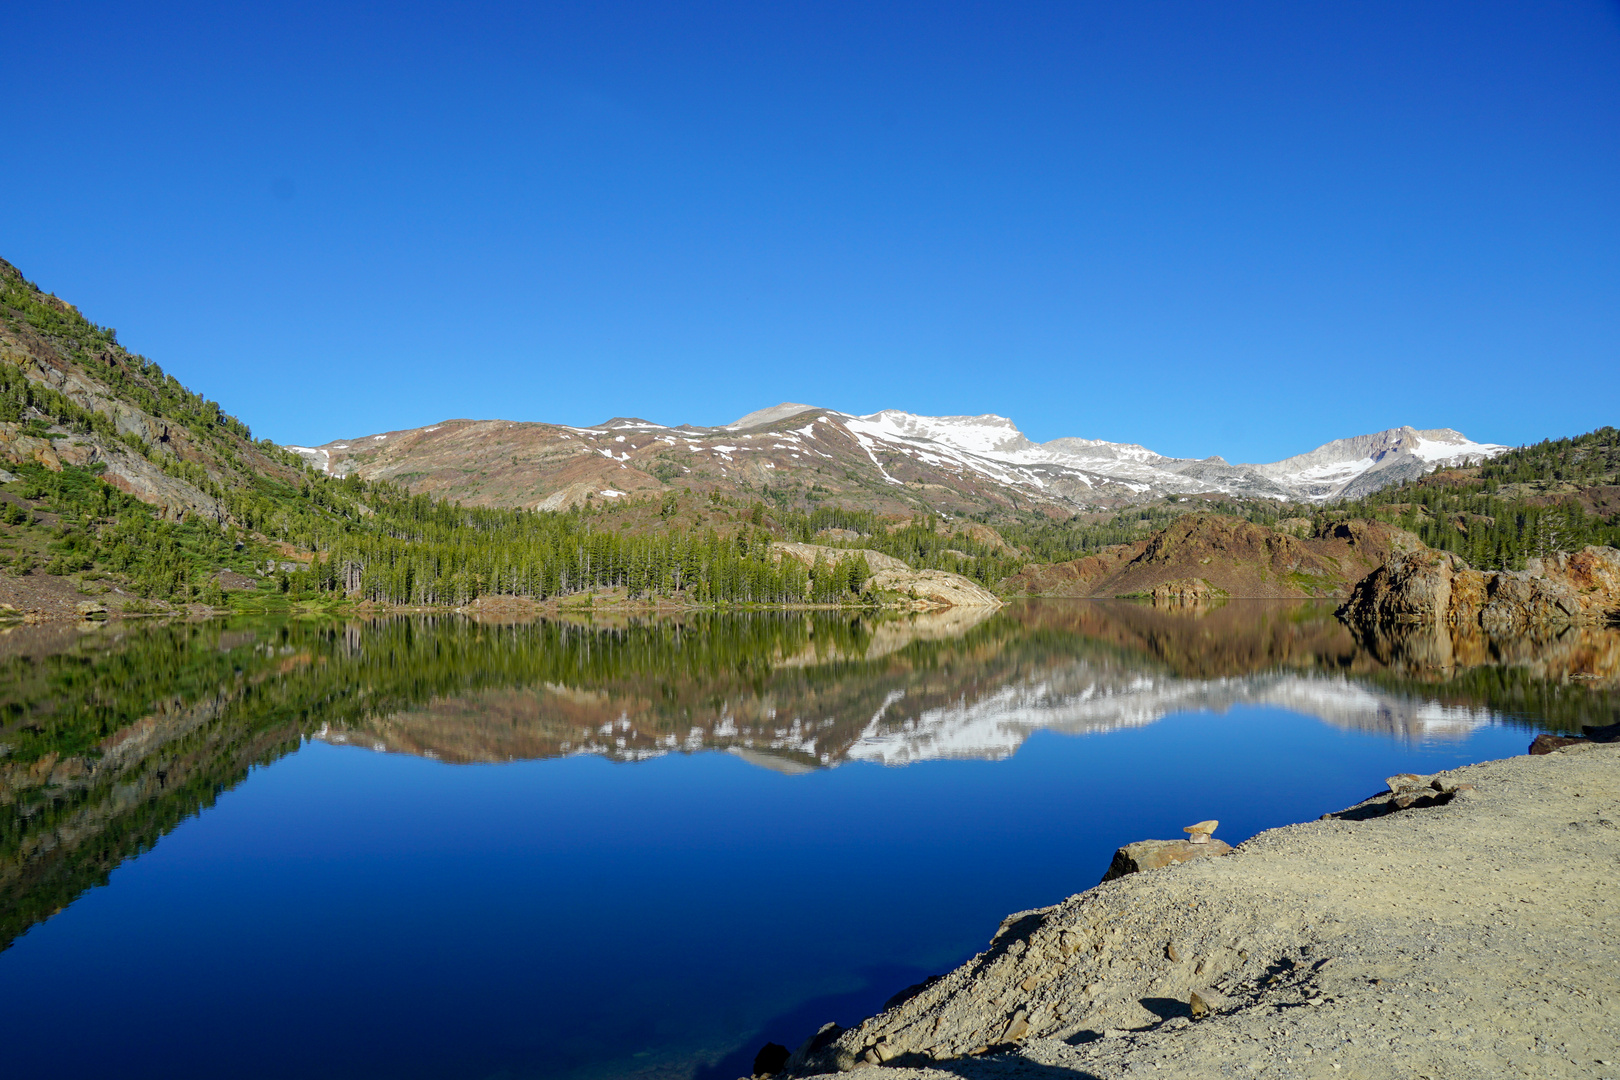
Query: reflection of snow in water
[{"x": 1080, "y": 702}]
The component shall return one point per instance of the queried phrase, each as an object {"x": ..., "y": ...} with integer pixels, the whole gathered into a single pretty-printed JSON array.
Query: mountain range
[{"x": 888, "y": 461}]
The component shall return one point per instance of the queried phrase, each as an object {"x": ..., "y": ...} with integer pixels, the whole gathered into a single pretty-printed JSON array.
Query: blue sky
[{"x": 1236, "y": 228}]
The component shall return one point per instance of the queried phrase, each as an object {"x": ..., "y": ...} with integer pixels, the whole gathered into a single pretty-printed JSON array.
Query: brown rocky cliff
[{"x": 1427, "y": 587}]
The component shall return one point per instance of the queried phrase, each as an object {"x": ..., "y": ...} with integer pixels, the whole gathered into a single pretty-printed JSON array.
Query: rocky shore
[
  {"x": 1450, "y": 926},
  {"x": 1426, "y": 587}
]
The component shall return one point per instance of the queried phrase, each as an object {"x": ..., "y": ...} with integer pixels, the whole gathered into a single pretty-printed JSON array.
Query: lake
[{"x": 435, "y": 847}]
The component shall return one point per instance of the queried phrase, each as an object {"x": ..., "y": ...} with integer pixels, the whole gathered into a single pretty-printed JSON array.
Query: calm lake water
[{"x": 440, "y": 848}]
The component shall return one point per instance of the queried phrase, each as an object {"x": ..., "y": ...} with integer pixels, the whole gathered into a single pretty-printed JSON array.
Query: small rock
[
  {"x": 770, "y": 1059},
  {"x": 1170, "y": 953},
  {"x": 1201, "y": 832},
  {"x": 1197, "y": 1007},
  {"x": 1546, "y": 743},
  {"x": 92, "y": 609},
  {"x": 1017, "y": 1028}
]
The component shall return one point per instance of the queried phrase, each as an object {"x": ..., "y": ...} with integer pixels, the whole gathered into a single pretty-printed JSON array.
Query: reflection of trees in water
[
  {"x": 112, "y": 736},
  {"x": 1553, "y": 679}
]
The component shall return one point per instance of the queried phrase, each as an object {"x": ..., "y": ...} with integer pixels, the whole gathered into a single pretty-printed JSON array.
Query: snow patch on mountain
[{"x": 1330, "y": 471}]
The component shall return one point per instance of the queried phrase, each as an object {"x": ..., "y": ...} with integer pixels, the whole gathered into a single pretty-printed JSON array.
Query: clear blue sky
[{"x": 1234, "y": 228}]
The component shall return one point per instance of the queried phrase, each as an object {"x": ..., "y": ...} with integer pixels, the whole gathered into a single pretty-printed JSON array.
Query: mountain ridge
[{"x": 951, "y": 464}]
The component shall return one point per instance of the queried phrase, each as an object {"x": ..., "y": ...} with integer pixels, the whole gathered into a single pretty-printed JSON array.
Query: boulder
[
  {"x": 771, "y": 1059},
  {"x": 1157, "y": 854},
  {"x": 813, "y": 1049},
  {"x": 1546, "y": 742}
]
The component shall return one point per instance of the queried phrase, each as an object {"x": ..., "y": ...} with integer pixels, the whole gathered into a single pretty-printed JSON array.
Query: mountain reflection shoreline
[
  {"x": 113, "y": 734},
  {"x": 976, "y": 684}
]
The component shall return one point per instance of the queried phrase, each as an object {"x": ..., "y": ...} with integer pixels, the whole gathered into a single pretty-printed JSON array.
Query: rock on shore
[
  {"x": 1467, "y": 938},
  {"x": 1436, "y": 587},
  {"x": 926, "y": 590}
]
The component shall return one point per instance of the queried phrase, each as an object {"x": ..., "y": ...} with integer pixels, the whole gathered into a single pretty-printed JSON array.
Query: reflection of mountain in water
[
  {"x": 936, "y": 687},
  {"x": 111, "y": 736},
  {"x": 1083, "y": 701}
]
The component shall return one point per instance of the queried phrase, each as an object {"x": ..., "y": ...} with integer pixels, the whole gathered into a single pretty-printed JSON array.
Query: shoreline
[
  {"x": 1462, "y": 936},
  {"x": 500, "y": 607}
]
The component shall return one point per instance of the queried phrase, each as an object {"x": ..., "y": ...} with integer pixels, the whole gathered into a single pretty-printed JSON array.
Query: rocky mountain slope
[
  {"x": 1217, "y": 556},
  {"x": 1436, "y": 587},
  {"x": 70, "y": 394},
  {"x": 890, "y": 461}
]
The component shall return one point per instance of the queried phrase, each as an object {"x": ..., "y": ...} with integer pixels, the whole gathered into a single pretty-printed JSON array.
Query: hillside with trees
[{"x": 124, "y": 489}]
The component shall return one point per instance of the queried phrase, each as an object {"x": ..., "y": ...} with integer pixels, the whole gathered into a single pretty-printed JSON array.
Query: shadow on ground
[{"x": 991, "y": 1064}]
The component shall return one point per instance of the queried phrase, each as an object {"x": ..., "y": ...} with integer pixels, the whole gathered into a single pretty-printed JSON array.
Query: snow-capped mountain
[
  {"x": 889, "y": 460},
  {"x": 1338, "y": 469}
]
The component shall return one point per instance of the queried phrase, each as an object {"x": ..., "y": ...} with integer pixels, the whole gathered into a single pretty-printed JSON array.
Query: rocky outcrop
[
  {"x": 929, "y": 590},
  {"x": 919, "y": 590},
  {"x": 1228, "y": 555},
  {"x": 1186, "y": 592},
  {"x": 1427, "y": 587},
  {"x": 1158, "y": 854},
  {"x": 1548, "y": 743}
]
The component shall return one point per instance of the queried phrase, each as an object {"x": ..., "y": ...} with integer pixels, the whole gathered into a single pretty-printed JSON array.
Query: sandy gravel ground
[{"x": 1480, "y": 938}]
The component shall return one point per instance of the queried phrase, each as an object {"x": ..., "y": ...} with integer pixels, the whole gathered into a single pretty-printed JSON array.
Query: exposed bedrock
[{"x": 1430, "y": 587}]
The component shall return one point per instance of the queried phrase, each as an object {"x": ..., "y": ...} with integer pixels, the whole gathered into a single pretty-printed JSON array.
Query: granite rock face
[{"x": 1430, "y": 587}]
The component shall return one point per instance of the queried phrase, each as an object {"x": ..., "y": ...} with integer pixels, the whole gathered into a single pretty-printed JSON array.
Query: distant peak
[{"x": 771, "y": 415}]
